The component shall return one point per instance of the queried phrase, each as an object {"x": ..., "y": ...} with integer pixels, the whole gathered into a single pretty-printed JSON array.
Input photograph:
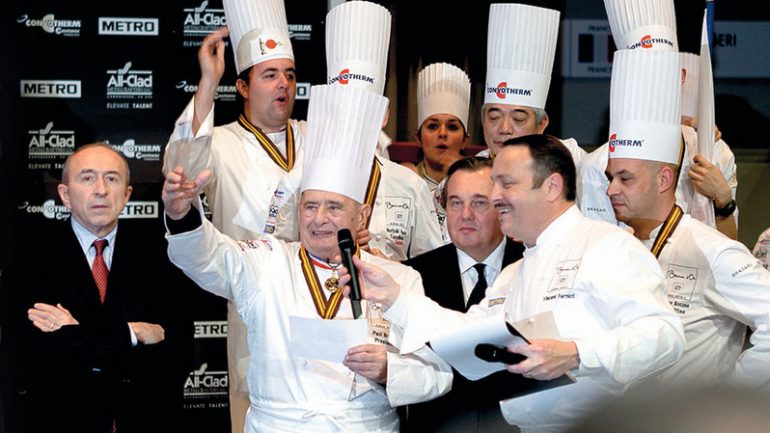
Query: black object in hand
[
  {"x": 347, "y": 248},
  {"x": 494, "y": 353}
]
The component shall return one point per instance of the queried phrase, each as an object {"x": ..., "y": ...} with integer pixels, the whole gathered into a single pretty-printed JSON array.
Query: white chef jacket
[
  {"x": 403, "y": 222},
  {"x": 606, "y": 293},
  {"x": 238, "y": 194},
  {"x": 592, "y": 181},
  {"x": 289, "y": 394},
  {"x": 762, "y": 248},
  {"x": 717, "y": 288}
]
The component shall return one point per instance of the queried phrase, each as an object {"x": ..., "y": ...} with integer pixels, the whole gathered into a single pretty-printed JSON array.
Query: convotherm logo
[
  {"x": 144, "y": 152},
  {"x": 48, "y": 209},
  {"x": 502, "y": 90},
  {"x": 129, "y": 84},
  {"x": 199, "y": 21},
  {"x": 224, "y": 93},
  {"x": 345, "y": 76},
  {"x": 50, "y": 88},
  {"x": 300, "y": 32},
  {"x": 123, "y": 26},
  {"x": 49, "y": 24},
  {"x": 615, "y": 142},
  {"x": 647, "y": 41},
  {"x": 48, "y": 145}
]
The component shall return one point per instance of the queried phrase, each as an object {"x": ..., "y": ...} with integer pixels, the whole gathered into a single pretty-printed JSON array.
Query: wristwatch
[{"x": 726, "y": 210}]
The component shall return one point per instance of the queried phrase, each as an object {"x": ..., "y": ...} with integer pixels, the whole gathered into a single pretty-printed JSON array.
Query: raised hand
[{"x": 179, "y": 192}]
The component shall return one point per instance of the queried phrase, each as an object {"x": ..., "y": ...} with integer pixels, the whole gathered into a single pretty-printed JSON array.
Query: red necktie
[{"x": 99, "y": 268}]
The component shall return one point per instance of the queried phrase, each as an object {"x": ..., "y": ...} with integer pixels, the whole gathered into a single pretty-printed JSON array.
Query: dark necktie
[
  {"x": 479, "y": 290},
  {"x": 99, "y": 268}
]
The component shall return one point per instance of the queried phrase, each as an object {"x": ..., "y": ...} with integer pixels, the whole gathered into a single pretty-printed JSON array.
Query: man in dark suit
[
  {"x": 456, "y": 276},
  {"x": 109, "y": 343}
]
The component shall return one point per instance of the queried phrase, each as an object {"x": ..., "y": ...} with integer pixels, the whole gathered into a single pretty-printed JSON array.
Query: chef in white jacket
[
  {"x": 605, "y": 292},
  {"x": 403, "y": 221},
  {"x": 247, "y": 157},
  {"x": 521, "y": 46},
  {"x": 270, "y": 281},
  {"x": 713, "y": 283},
  {"x": 653, "y": 22}
]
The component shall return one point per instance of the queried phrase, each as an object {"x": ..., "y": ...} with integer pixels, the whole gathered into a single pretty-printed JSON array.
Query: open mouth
[{"x": 503, "y": 208}]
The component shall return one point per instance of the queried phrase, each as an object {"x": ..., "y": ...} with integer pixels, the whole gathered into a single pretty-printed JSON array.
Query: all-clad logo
[
  {"x": 50, "y": 88},
  {"x": 200, "y": 21},
  {"x": 144, "y": 152},
  {"x": 50, "y": 24},
  {"x": 615, "y": 142},
  {"x": 121, "y": 26},
  {"x": 345, "y": 76},
  {"x": 647, "y": 41},
  {"x": 48, "y": 142},
  {"x": 206, "y": 383},
  {"x": 129, "y": 84},
  {"x": 502, "y": 90}
]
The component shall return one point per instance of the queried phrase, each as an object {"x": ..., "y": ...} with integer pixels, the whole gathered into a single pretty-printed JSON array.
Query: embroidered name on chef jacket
[
  {"x": 397, "y": 217},
  {"x": 680, "y": 286},
  {"x": 254, "y": 244},
  {"x": 564, "y": 275}
]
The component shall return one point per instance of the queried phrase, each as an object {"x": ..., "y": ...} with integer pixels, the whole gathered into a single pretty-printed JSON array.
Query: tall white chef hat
[
  {"x": 644, "y": 106},
  {"x": 521, "y": 45},
  {"x": 443, "y": 89},
  {"x": 357, "y": 42},
  {"x": 691, "y": 64},
  {"x": 258, "y": 31},
  {"x": 647, "y": 24},
  {"x": 343, "y": 123}
]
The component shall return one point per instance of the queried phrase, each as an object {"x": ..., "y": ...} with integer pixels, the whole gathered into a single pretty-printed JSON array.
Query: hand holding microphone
[{"x": 347, "y": 246}]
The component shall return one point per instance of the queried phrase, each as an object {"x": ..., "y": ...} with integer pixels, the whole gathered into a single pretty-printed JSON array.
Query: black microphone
[
  {"x": 494, "y": 353},
  {"x": 347, "y": 246}
]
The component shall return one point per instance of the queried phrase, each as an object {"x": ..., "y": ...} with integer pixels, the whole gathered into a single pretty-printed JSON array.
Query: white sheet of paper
[
  {"x": 326, "y": 340},
  {"x": 457, "y": 347}
]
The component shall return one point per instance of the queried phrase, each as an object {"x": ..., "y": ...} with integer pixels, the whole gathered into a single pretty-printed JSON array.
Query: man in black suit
[
  {"x": 456, "y": 276},
  {"x": 112, "y": 343}
]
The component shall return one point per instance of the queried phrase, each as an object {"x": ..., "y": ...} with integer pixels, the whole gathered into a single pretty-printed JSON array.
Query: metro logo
[
  {"x": 646, "y": 41},
  {"x": 500, "y": 86}
]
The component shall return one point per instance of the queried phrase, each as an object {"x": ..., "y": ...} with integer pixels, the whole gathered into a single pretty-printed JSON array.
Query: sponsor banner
[
  {"x": 225, "y": 93},
  {"x": 123, "y": 26},
  {"x": 300, "y": 32},
  {"x": 199, "y": 21},
  {"x": 49, "y": 147},
  {"x": 205, "y": 388},
  {"x": 143, "y": 152},
  {"x": 736, "y": 41},
  {"x": 140, "y": 210},
  {"x": 211, "y": 329},
  {"x": 50, "y": 209},
  {"x": 50, "y": 24},
  {"x": 50, "y": 88},
  {"x": 587, "y": 48},
  {"x": 129, "y": 88}
]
